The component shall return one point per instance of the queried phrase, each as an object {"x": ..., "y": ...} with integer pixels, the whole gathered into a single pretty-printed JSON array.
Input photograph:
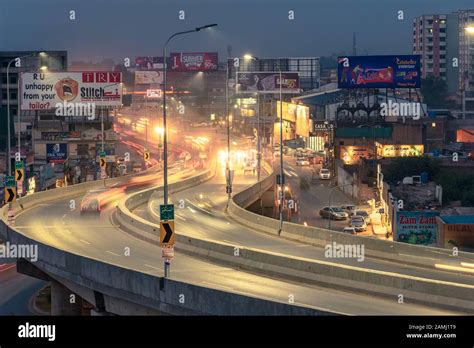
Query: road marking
[
  {"x": 217, "y": 285},
  {"x": 287, "y": 173},
  {"x": 295, "y": 174},
  {"x": 159, "y": 269},
  {"x": 84, "y": 241},
  {"x": 181, "y": 217},
  {"x": 111, "y": 252}
]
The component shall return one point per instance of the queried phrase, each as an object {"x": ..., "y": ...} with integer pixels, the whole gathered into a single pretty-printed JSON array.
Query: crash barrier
[{"x": 444, "y": 294}]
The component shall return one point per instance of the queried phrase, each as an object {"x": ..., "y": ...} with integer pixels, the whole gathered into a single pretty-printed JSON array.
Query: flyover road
[
  {"x": 98, "y": 238},
  {"x": 204, "y": 216}
]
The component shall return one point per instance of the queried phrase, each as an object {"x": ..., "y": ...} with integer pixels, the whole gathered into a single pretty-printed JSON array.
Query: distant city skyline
[{"x": 121, "y": 29}]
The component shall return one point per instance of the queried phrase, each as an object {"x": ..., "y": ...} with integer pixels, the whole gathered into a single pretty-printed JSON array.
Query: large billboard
[
  {"x": 193, "y": 61},
  {"x": 379, "y": 71},
  {"x": 267, "y": 82},
  {"x": 148, "y": 77},
  {"x": 399, "y": 150},
  {"x": 353, "y": 154},
  {"x": 42, "y": 91},
  {"x": 56, "y": 153},
  {"x": 149, "y": 63},
  {"x": 416, "y": 227}
]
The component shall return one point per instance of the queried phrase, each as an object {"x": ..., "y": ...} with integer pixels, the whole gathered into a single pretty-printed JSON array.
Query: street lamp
[
  {"x": 165, "y": 140},
  {"x": 18, "y": 110},
  {"x": 281, "y": 152}
]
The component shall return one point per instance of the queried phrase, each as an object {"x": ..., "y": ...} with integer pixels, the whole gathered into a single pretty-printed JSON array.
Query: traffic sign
[
  {"x": 103, "y": 162},
  {"x": 167, "y": 233},
  {"x": 10, "y": 195},
  {"x": 19, "y": 174},
  {"x": 102, "y": 154},
  {"x": 9, "y": 181},
  {"x": 167, "y": 252},
  {"x": 146, "y": 155},
  {"x": 18, "y": 165},
  {"x": 166, "y": 212}
]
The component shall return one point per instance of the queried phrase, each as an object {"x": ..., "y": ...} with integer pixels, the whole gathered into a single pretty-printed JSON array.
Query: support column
[{"x": 61, "y": 300}]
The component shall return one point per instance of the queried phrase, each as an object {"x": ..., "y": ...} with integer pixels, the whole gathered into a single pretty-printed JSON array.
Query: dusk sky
[{"x": 129, "y": 28}]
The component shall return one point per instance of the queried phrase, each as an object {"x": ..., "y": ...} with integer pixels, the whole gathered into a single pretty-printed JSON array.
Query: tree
[
  {"x": 435, "y": 93},
  {"x": 401, "y": 167}
]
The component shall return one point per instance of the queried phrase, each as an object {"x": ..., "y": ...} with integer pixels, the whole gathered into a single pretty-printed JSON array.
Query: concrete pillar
[{"x": 61, "y": 301}]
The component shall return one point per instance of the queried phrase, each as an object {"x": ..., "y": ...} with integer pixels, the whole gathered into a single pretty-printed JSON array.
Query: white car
[
  {"x": 325, "y": 174},
  {"x": 302, "y": 161},
  {"x": 350, "y": 230}
]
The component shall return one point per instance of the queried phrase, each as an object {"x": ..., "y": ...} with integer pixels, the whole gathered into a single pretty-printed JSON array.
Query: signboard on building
[
  {"x": 399, "y": 150},
  {"x": 193, "y": 61},
  {"x": 149, "y": 63},
  {"x": 148, "y": 77},
  {"x": 153, "y": 93},
  {"x": 302, "y": 121},
  {"x": 56, "y": 153},
  {"x": 267, "y": 82},
  {"x": 42, "y": 91},
  {"x": 322, "y": 126},
  {"x": 416, "y": 227},
  {"x": 353, "y": 154},
  {"x": 400, "y": 71}
]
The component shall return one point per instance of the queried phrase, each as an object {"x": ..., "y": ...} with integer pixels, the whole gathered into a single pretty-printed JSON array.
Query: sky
[{"x": 121, "y": 29}]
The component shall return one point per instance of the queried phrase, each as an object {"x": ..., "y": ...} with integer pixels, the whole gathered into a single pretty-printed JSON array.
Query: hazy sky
[{"x": 128, "y": 28}]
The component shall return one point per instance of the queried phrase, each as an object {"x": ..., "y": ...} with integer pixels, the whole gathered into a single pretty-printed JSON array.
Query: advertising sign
[
  {"x": 379, "y": 71},
  {"x": 56, "y": 153},
  {"x": 42, "y": 91},
  {"x": 197, "y": 61},
  {"x": 322, "y": 126},
  {"x": 399, "y": 150},
  {"x": 353, "y": 154},
  {"x": 267, "y": 82},
  {"x": 149, "y": 63},
  {"x": 147, "y": 77},
  {"x": 416, "y": 227},
  {"x": 302, "y": 120},
  {"x": 153, "y": 93}
]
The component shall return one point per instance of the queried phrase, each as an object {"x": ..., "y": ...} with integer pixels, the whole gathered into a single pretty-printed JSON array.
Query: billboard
[
  {"x": 149, "y": 63},
  {"x": 379, "y": 71},
  {"x": 416, "y": 227},
  {"x": 302, "y": 121},
  {"x": 399, "y": 150},
  {"x": 148, "y": 77},
  {"x": 267, "y": 82},
  {"x": 56, "y": 153},
  {"x": 194, "y": 61},
  {"x": 353, "y": 154},
  {"x": 42, "y": 91},
  {"x": 153, "y": 93}
]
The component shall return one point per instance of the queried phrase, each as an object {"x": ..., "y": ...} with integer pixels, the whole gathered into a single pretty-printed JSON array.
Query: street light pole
[
  {"x": 165, "y": 132},
  {"x": 229, "y": 179},
  {"x": 281, "y": 154}
]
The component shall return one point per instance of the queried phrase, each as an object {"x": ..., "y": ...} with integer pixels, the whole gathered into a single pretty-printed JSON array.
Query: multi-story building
[{"x": 446, "y": 47}]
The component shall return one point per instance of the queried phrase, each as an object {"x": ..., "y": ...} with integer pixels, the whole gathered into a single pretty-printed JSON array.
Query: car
[
  {"x": 302, "y": 161},
  {"x": 333, "y": 213},
  {"x": 325, "y": 174},
  {"x": 349, "y": 209},
  {"x": 350, "y": 230},
  {"x": 365, "y": 215},
  {"x": 90, "y": 203},
  {"x": 358, "y": 222}
]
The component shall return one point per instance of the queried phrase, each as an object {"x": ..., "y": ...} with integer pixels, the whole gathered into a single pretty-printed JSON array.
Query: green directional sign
[
  {"x": 10, "y": 181},
  {"x": 102, "y": 154},
  {"x": 19, "y": 165},
  {"x": 166, "y": 212}
]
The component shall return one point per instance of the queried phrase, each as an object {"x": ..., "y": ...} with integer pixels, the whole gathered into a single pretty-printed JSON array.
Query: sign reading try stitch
[{"x": 42, "y": 91}]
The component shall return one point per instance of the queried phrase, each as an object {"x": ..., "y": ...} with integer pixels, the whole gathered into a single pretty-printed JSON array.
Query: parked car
[
  {"x": 349, "y": 209},
  {"x": 333, "y": 213},
  {"x": 365, "y": 215},
  {"x": 350, "y": 230},
  {"x": 358, "y": 222},
  {"x": 325, "y": 174},
  {"x": 302, "y": 161}
]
